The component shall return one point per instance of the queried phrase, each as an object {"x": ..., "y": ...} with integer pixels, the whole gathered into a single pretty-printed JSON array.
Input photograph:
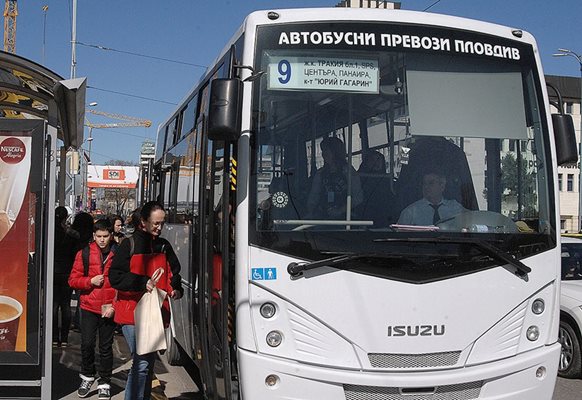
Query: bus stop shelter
[{"x": 38, "y": 108}]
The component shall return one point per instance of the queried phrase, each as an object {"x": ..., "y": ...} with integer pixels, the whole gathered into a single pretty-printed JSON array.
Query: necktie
[{"x": 436, "y": 217}]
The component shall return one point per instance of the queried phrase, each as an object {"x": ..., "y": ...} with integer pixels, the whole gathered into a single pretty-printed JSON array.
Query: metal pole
[
  {"x": 580, "y": 152},
  {"x": 90, "y": 140},
  {"x": 579, "y": 228},
  {"x": 74, "y": 41},
  {"x": 86, "y": 190},
  {"x": 44, "y": 9}
]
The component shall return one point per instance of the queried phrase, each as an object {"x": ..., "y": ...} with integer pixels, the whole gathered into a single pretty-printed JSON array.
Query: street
[
  {"x": 174, "y": 383},
  {"x": 169, "y": 382},
  {"x": 568, "y": 389}
]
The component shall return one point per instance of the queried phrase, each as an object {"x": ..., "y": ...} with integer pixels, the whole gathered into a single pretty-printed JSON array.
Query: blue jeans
[{"x": 139, "y": 380}]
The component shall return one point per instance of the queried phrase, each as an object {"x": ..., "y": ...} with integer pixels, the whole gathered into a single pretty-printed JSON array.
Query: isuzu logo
[{"x": 416, "y": 330}]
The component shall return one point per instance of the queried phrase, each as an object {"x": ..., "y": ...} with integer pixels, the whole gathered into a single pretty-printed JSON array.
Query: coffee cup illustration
[{"x": 10, "y": 312}]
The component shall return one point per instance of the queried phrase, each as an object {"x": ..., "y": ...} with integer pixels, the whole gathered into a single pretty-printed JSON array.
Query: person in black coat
[{"x": 65, "y": 248}]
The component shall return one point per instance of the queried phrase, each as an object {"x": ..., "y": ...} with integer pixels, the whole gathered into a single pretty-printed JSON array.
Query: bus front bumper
[{"x": 513, "y": 378}]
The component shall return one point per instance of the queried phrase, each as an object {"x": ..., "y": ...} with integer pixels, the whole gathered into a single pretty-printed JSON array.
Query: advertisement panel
[
  {"x": 23, "y": 213},
  {"x": 16, "y": 240}
]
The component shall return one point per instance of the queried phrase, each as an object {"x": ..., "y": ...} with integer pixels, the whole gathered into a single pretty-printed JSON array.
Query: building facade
[{"x": 569, "y": 178}]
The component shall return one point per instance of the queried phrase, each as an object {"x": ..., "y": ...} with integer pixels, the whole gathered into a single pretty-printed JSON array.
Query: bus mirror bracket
[
  {"x": 254, "y": 74},
  {"x": 564, "y": 133},
  {"x": 224, "y": 112}
]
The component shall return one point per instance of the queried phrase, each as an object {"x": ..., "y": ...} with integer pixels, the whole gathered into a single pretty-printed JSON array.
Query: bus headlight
[
  {"x": 268, "y": 310},
  {"x": 274, "y": 338},
  {"x": 538, "y": 306},
  {"x": 533, "y": 333}
]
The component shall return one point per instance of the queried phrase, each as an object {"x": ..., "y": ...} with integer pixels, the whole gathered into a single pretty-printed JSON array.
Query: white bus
[{"x": 305, "y": 279}]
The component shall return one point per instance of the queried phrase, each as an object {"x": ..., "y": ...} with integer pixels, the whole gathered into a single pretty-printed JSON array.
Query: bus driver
[{"x": 433, "y": 207}]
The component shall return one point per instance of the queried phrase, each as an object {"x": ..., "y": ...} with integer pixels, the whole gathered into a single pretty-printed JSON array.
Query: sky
[{"x": 181, "y": 37}]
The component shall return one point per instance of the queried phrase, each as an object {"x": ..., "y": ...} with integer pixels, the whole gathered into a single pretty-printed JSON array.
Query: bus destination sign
[{"x": 323, "y": 73}]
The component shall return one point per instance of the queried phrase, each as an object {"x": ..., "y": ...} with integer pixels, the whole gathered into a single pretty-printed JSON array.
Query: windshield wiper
[
  {"x": 486, "y": 248},
  {"x": 296, "y": 269}
]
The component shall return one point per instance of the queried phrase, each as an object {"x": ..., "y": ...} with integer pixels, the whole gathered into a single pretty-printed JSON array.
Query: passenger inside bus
[
  {"x": 378, "y": 202},
  {"x": 433, "y": 207},
  {"x": 331, "y": 186}
]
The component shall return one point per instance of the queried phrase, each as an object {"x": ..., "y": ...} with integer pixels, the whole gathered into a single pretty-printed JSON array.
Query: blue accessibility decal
[{"x": 264, "y": 274}]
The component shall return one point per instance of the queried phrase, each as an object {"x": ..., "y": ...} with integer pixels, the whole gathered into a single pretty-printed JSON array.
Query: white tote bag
[{"x": 149, "y": 327}]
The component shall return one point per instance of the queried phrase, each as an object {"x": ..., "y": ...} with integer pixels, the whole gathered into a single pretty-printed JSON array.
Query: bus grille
[
  {"x": 463, "y": 391},
  {"x": 382, "y": 360}
]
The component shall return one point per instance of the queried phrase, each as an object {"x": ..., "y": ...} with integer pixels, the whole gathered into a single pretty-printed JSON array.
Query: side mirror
[
  {"x": 565, "y": 138},
  {"x": 224, "y": 112}
]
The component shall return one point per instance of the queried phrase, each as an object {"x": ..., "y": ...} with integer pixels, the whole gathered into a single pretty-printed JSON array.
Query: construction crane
[
  {"x": 10, "y": 13},
  {"x": 132, "y": 121}
]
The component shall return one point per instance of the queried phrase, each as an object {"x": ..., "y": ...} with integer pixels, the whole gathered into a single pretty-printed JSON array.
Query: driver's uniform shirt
[{"x": 422, "y": 212}]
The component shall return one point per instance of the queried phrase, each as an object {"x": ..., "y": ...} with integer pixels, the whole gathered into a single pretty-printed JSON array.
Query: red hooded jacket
[
  {"x": 131, "y": 270},
  {"x": 92, "y": 297}
]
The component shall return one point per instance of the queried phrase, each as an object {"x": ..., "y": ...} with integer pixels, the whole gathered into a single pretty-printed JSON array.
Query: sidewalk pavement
[{"x": 173, "y": 383}]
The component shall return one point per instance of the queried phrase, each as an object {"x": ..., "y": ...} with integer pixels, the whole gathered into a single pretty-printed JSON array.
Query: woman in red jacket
[
  {"x": 90, "y": 275},
  {"x": 135, "y": 261}
]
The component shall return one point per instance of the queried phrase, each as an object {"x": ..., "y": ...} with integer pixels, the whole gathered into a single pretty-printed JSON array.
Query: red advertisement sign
[
  {"x": 16, "y": 239},
  {"x": 114, "y": 174}
]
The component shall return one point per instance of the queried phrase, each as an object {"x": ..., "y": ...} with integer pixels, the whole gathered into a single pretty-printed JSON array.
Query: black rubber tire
[{"x": 570, "y": 358}]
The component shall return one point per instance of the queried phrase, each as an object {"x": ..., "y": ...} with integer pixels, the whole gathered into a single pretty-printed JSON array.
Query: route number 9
[{"x": 284, "y": 68}]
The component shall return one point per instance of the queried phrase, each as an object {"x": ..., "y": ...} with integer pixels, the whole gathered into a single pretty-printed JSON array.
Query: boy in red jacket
[{"x": 90, "y": 275}]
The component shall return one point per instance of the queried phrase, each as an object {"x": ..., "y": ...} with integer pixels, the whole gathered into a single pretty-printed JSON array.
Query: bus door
[{"x": 217, "y": 314}]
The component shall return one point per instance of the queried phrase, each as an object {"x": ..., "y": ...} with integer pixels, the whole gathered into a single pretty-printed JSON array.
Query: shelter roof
[{"x": 31, "y": 91}]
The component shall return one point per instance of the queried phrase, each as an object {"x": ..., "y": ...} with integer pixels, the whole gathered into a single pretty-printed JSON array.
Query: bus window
[
  {"x": 167, "y": 177},
  {"x": 189, "y": 117},
  {"x": 185, "y": 191},
  {"x": 171, "y": 133},
  {"x": 161, "y": 142}
]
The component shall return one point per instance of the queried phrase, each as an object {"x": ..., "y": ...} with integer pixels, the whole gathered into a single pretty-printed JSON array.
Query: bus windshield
[{"x": 357, "y": 144}]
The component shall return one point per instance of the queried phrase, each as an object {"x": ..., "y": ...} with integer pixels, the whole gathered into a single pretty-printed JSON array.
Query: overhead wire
[
  {"x": 100, "y": 47},
  {"x": 132, "y": 95},
  {"x": 433, "y": 4},
  {"x": 122, "y": 133}
]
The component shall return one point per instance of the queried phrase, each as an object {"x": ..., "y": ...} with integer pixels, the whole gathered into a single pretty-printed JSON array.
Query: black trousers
[
  {"x": 92, "y": 325},
  {"x": 61, "y": 304}
]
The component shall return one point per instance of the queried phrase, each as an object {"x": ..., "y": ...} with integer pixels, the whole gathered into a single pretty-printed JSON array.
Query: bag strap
[
  {"x": 85, "y": 256},
  {"x": 157, "y": 275}
]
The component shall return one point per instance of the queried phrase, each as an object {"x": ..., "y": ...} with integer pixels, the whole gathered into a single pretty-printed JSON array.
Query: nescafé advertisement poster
[{"x": 16, "y": 239}]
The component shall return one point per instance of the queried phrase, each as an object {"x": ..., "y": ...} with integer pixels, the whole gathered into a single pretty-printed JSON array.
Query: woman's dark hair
[
  {"x": 116, "y": 217},
  {"x": 134, "y": 218},
  {"x": 148, "y": 208},
  {"x": 61, "y": 214}
]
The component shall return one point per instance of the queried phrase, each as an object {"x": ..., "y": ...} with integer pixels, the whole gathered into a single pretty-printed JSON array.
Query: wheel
[
  {"x": 570, "y": 358},
  {"x": 173, "y": 354}
]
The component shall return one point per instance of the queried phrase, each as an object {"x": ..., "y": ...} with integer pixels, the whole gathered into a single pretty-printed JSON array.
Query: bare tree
[
  {"x": 117, "y": 199},
  {"x": 123, "y": 163}
]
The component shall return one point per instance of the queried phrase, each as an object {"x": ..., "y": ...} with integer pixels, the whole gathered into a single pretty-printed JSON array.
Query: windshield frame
[{"x": 314, "y": 245}]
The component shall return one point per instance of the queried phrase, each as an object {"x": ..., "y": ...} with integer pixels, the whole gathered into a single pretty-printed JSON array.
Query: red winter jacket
[
  {"x": 130, "y": 272},
  {"x": 92, "y": 297}
]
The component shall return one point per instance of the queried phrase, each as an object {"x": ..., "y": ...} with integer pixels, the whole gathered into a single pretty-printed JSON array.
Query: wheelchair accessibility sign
[{"x": 264, "y": 274}]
